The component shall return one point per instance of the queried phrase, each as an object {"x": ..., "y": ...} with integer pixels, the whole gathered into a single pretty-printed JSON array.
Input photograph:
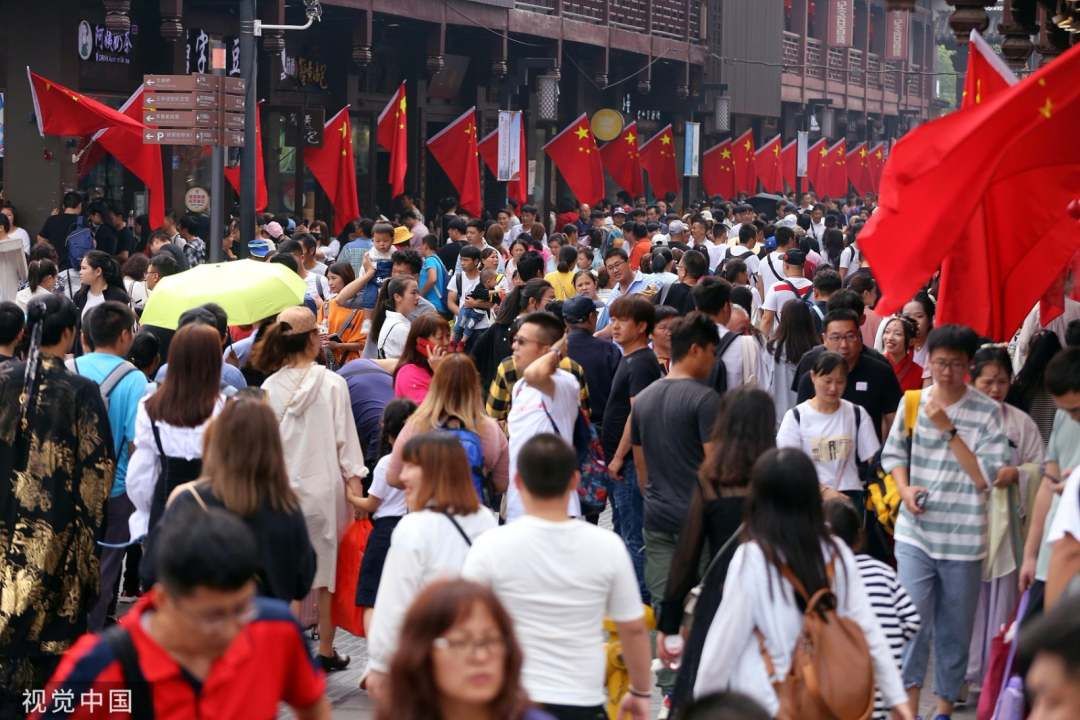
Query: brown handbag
[{"x": 831, "y": 675}]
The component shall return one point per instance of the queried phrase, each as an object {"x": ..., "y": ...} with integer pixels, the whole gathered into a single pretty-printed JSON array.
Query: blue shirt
[
  {"x": 230, "y": 376},
  {"x": 435, "y": 294},
  {"x": 123, "y": 406}
]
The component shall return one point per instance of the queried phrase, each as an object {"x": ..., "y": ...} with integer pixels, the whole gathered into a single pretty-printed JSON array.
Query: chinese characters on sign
[
  {"x": 841, "y": 22},
  {"x": 66, "y": 700},
  {"x": 896, "y": 35},
  {"x": 99, "y": 44}
]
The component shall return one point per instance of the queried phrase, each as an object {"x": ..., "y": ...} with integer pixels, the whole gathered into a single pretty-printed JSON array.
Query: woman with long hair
[
  {"x": 794, "y": 336},
  {"x": 424, "y": 349},
  {"x": 493, "y": 345},
  {"x": 562, "y": 278},
  {"x": 171, "y": 422},
  {"x": 457, "y": 659},
  {"x": 444, "y": 517},
  {"x": 1013, "y": 489},
  {"x": 58, "y": 464},
  {"x": 100, "y": 276},
  {"x": 1029, "y": 391},
  {"x": 920, "y": 310},
  {"x": 785, "y": 538},
  {"x": 322, "y": 450},
  {"x": 134, "y": 277},
  {"x": 397, "y": 299},
  {"x": 745, "y": 428},
  {"x": 517, "y": 248},
  {"x": 41, "y": 279},
  {"x": 897, "y": 337},
  {"x": 344, "y": 321},
  {"x": 12, "y": 261},
  {"x": 454, "y": 401},
  {"x": 250, "y": 480},
  {"x": 833, "y": 244}
]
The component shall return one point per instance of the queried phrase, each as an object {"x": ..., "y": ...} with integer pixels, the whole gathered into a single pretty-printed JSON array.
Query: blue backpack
[
  {"x": 474, "y": 451},
  {"x": 78, "y": 242}
]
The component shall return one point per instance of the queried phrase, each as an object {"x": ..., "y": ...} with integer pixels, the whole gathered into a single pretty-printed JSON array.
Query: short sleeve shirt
[
  {"x": 636, "y": 372},
  {"x": 830, "y": 441},
  {"x": 871, "y": 384}
]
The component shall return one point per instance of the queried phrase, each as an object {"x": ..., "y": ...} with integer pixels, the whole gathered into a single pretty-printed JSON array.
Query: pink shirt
[{"x": 412, "y": 382}]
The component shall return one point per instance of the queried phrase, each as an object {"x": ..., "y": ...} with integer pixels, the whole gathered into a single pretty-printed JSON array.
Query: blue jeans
[
  {"x": 945, "y": 593},
  {"x": 628, "y": 509}
]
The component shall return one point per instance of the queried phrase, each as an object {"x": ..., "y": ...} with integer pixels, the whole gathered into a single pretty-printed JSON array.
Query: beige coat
[{"x": 322, "y": 450}]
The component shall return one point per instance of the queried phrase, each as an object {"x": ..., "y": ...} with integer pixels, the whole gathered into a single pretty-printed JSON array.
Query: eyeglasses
[
  {"x": 840, "y": 339},
  {"x": 519, "y": 340},
  {"x": 215, "y": 620},
  {"x": 463, "y": 647},
  {"x": 954, "y": 365},
  {"x": 615, "y": 265}
]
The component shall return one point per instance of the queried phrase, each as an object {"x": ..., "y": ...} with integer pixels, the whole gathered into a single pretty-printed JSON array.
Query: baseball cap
[
  {"x": 290, "y": 227},
  {"x": 299, "y": 318},
  {"x": 618, "y": 210},
  {"x": 707, "y": 215},
  {"x": 259, "y": 248},
  {"x": 273, "y": 229},
  {"x": 578, "y": 308},
  {"x": 402, "y": 234},
  {"x": 795, "y": 257},
  {"x": 676, "y": 227}
]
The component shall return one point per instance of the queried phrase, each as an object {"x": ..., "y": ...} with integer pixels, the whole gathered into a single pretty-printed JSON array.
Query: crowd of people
[{"x": 780, "y": 467}]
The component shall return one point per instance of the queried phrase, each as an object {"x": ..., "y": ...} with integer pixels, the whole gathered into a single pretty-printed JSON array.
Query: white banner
[
  {"x": 800, "y": 153},
  {"x": 692, "y": 149},
  {"x": 509, "y": 145}
]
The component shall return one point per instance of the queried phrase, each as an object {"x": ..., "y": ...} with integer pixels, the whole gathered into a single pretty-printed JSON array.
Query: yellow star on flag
[
  {"x": 1047, "y": 109},
  {"x": 747, "y": 145},
  {"x": 776, "y": 150},
  {"x": 470, "y": 129},
  {"x": 823, "y": 152},
  {"x": 725, "y": 153},
  {"x": 630, "y": 138},
  {"x": 878, "y": 155},
  {"x": 342, "y": 130},
  {"x": 582, "y": 132},
  {"x": 665, "y": 139},
  {"x": 862, "y": 152}
]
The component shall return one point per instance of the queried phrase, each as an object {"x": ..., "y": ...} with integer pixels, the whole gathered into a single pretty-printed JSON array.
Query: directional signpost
[{"x": 193, "y": 110}]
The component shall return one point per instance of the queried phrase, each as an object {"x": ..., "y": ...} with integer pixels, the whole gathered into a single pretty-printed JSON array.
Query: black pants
[{"x": 576, "y": 712}]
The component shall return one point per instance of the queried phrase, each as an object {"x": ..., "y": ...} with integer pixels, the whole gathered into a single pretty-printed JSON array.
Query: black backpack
[{"x": 718, "y": 376}]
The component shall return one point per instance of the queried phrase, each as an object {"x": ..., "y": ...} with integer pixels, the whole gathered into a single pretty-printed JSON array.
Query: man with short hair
[
  {"x": 200, "y": 643},
  {"x": 870, "y": 382},
  {"x": 529, "y": 214},
  {"x": 161, "y": 265},
  {"x": 772, "y": 265},
  {"x": 432, "y": 278},
  {"x": 826, "y": 284},
  {"x": 109, "y": 326},
  {"x": 318, "y": 288},
  {"x": 744, "y": 215},
  {"x": 670, "y": 426},
  {"x": 691, "y": 268},
  {"x": 463, "y": 282},
  {"x": 448, "y": 253},
  {"x": 792, "y": 287},
  {"x": 57, "y": 227},
  {"x": 161, "y": 242},
  {"x": 632, "y": 319},
  {"x": 358, "y": 244},
  {"x": 943, "y": 472},
  {"x": 816, "y": 230},
  {"x": 559, "y": 579},
  {"x": 411, "y": 219},
  {"x": 545, "y": 398},
  {"x": 738, "y": 356},
  {"x": 745, "y": 251},
  {"x": 194, "y": 248},
  {"x": 12, "y": 324},
  {"x": 598, "y": 358},
  {"x": 626, "y": 280}
]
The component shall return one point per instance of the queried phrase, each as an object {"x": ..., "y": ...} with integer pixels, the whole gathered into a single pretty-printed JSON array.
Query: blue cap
[{"x": 259, "y": 248}]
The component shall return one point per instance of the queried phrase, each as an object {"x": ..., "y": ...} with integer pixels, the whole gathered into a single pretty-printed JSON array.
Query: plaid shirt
[{"x": 498, "y": 403}]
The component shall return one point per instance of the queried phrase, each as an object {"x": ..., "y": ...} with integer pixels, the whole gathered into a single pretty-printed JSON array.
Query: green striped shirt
[{"x": 953, "y": 527}]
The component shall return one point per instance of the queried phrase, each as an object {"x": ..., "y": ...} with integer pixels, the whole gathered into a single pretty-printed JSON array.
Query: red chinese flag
[
  {"x": 658, "y": 159},
  {"x": 718, "y": 171},
  {"x": 232, "y": 174},
  {"x": 742, "y": 148},
  {"x": 454, "y": 148},
  {"x": 143, "y": 161},
  {"x": 834, "y": 171},
  {"x": 987, "y": 74},
  {"x": 489, "y": 151},
  {"x": 815, "y": 162},
  {"x": 856, "y": 168},
  {"x": 965, "y": 170},
  {"x": 622, "y": 160},
  {"x": 769, "y": 168},
  {"x": 334, "y": 168},
  {"x": 875, "y": 162},
  {"x": 392, "y": 134},
  {"x": 575, "y": 155},
  {"x": 61, "y": 111},
  {"x": 789, "y": 155}
]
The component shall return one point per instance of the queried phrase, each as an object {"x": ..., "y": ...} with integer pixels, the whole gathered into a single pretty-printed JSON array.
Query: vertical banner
[
  {"x": 509, "y": 145},
  {"x": 800, "y": 154},
  {"x": 896, "y": 35},
  {"x": 691, "y": 149},
  {"x": 841, "y": 20}
]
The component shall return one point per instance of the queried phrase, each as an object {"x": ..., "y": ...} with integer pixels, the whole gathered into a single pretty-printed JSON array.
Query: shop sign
[
  {"x": 896, "y": 35},
  {"x": 99, "y": 44},
  {"x": 841, "y": 22},
  {"x": 197, "y": 200}
]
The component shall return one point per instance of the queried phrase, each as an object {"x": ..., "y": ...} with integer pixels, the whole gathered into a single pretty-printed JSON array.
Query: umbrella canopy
[{"x": 247, "y": 290}]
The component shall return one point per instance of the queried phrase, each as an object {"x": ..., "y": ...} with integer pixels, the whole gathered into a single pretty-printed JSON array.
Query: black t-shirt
[
  {"x": 448, "y": 253},
  {"x": 679, "y": 297},
  {"x": 125, "y": 241},
  {"x": 869, "y": 384},
  {"x": 600, "y": 359},
  {"x": 55, "y": 230},
  {"x": 810, "y": 357},
  {"x": 636, "y": 372},
  {"x": 105, "y": 239}
]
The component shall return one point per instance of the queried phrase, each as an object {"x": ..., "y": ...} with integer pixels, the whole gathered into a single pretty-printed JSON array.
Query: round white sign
[{"x": 197, "y": 200}]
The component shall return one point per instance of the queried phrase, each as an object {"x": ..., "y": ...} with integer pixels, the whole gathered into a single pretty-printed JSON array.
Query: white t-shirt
[
  {"x": 850, "y": 258},
  {"x": 393, "y": 334},
  {"x": 22, "y": 236},
  {"x": 714, "y": 252},
  {"x": 92, "y": 301},
  {"x": 527, "y": 419},
  {"x": 558, "y": 580},
  {"x": 817, "y": 233},
  {"x": 1067, "y": 519},
  {"x": 392, "y": 499},
  {"x": 753, "y": 262},
  {"x": 770, "y": 275},
  {"x": 468, "y": 284},
  {"x": 829, "y": 441},
  {"x": 777, "y": 294},
  {"x": 736, "y": 357},
  {"x": 317, "y": 285}
]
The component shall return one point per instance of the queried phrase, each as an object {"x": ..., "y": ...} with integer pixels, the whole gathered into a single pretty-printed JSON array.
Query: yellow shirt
[{"x": 563, "y": 284}]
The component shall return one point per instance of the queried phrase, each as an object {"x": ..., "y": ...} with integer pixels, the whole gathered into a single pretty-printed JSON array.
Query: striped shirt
[
  {"x": 953, "y": 526},
  {"x": 895, "y": 612}
]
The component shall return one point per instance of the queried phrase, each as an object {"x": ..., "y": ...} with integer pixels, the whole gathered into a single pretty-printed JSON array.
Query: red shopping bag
[{"x": 346, "y": 613}]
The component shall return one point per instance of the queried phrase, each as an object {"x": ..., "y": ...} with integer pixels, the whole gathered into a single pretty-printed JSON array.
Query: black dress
[
  {"x": 286, "y": 557},
  {"x": 56, "y": 473},
  {"x": 713, "y": 521}
]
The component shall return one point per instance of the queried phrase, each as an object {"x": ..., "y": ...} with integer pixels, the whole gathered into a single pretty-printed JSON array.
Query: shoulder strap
[
  {"x": 349, "y": 323},
  {"x": 123, "y": 648},
  {"x": 798, "y": 416},
  {"x": 458, "y": 278},
  {"x": 858, "y": 422},
  {"x": 550, "y": 419},
  {"x": 198, "y": 498},
  {"x": 911, "y": 410},
  {"x": 457, "y": 526},
  {"x": 725, "y": 343},
  {"x": 157, "y": 441},
  {"x": 118, "y": 373}
]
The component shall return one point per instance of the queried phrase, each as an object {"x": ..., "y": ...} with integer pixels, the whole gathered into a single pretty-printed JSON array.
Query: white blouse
[
  {"x": 393, "y": 334},
  {"x": 764, "y": 599}
]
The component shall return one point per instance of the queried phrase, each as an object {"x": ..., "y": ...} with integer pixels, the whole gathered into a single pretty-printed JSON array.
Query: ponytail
[
  {"x": 384, "y": 301},
  {"x": 37, "y": 271},
  {"x": 274, "y": 347},
  {"x": 567, "y": 258}
]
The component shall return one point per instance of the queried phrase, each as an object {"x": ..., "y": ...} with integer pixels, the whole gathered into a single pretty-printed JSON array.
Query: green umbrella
[{"x": 248, "y": 290}]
